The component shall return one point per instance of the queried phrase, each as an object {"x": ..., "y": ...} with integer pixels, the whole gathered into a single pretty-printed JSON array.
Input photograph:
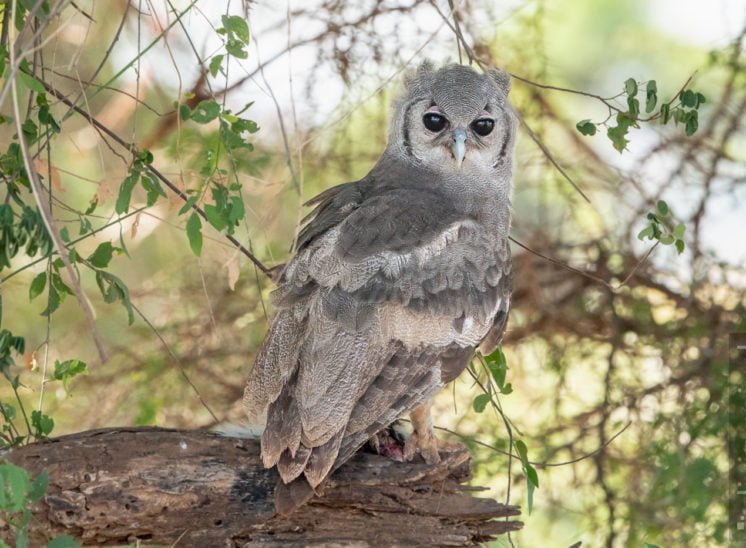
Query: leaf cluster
[{"x": 682, "y": 109}]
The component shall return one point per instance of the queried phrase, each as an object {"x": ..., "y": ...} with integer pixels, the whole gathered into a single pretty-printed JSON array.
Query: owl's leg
[{"x": 423, "y": 437}]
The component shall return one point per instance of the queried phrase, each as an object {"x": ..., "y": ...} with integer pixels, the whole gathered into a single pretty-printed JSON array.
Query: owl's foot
[
  {"x": 423, "y": 440},
  {"x": 387, "y": 444}
]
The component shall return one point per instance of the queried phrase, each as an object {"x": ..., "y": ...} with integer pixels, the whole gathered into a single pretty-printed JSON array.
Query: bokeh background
[{"x": 602, "y": 335}]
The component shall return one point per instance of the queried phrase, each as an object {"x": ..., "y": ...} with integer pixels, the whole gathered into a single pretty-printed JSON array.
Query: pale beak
[{"x": 459, "y": 146}]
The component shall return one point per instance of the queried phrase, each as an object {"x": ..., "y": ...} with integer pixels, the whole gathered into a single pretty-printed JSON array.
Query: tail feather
[
  {"x": 291, "y": 466},
  {"x": 291, "y": 496},
  {"x": 322, "y": 459}
]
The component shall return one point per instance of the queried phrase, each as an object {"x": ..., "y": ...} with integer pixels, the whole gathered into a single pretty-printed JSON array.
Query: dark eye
[
  {"x": 483, "y": 126},
  {"x": 434, "y": 122}
]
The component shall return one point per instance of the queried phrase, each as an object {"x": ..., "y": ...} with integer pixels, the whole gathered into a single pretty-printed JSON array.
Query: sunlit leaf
[
  {"x": 205, "y": 111},
  {"x": 38, "y": 487},
  {"x": 37, "y": 285},
  {"x": 216, "y": 65},
  {"x": 480, "y": 402},
  {"x": 102, "y": 256},
  {"x": 586, "y": 127},
  {"x": 194, "y": 233},
  {"x": 237, "y": 26},
  {"x": 630, "y": 87}
]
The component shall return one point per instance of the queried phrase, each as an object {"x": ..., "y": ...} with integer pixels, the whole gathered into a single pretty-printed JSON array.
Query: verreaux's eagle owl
[{"x": 396, "y": 279}]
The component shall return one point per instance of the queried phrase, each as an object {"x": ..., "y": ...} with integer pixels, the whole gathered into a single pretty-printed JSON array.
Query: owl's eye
[
  {"x": 483, "y": 126},
  {"x": 434, "y": 122}
]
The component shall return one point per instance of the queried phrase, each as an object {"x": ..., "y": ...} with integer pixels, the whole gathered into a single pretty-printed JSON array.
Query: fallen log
[{"x": 200, "y": 489}]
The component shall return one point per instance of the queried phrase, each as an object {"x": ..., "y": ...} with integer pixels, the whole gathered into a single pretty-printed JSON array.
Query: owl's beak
[{"x": 459, "y": 146}]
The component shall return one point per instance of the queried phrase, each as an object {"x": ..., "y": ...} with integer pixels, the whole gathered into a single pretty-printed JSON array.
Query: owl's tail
[{"x": 293, "y": 495}]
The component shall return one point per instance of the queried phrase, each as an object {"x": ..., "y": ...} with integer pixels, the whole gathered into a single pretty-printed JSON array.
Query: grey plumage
[{"x": 396, "y": 279}]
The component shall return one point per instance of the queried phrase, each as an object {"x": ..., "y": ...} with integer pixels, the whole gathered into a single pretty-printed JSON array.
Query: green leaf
[
  {"x": 688, "y": 98},
  {"x": 125, "y": 193},
  {"x": 480, "y": 402},
  {"x": 630, "y": 87},
  {"x": 679, "y": 230},
  {"x": 692, "y": 123},
  {"x": 235, "y": 48},
  {"x": 237, "y": 26},
  {"x": 194, "y": 233},
  {"x": 64, "y": 371},
  {"x": 236, "y": 212},
  {"x": 586, "y": 127},
  {"x": 216, "y": 65},
  {"x": 61, "y": 286},
  {"x": 530, "y": 487},
  {"x": 507, "y": 389},
  {"x": 701, "y": 99},
  {"x": 634, "y": 106},
  {"x": 498, "y": 366},
  {"x": 15, "y": 484},
  {"x": 153, "y": 188},
  {"x": 30, "y": 82},
  {"x": 113, "y": 289},
  {"x": 666, "y": 239},
  {"x": 618, "y": 137},
  {"x": 241, "y": 125},
  {"x": 29, "y": 128},
  {"x": 102, "y": 256},
  {"x": 43, "y": 424},
  {"x": 37, "y": 285},
  {"x": 145, "y": 156},
  {"x": 92, "y": 207},
  {"x": 47, "y": 119},
  {"x": 53, "y": 302},
  {"x": 665, "y": 113},
  {"x": 680, "y": 245},
  {"x": 215, "y": 217},
  {"x": 205, "y": 112},
  {"x": 38, "y": 487},
  {"x": 185, "y": 112},
  {"x": 662, "y": 207},
  {"x": 231, "y": 139},
  {"x": 65, "y": 541},
  {"x": 651, "y": 96},
  {"x": 188, "y": 205},
  {"x": 522, "y": 449},
  {"x": 531, "y": 474}
]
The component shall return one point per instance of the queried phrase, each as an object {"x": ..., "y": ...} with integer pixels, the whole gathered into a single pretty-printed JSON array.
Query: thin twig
[
  {"x": 536, "y": 463},
  {"x": 176, "y": 360}
]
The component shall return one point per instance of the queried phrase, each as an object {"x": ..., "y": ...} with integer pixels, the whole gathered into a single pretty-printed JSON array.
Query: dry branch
[{"x": 193, "y": 488}]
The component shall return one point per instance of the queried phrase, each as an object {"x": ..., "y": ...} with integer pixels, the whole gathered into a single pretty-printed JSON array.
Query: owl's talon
[
  {"x": 426, "y": 444},
  {"x": 386, "y": 445}
]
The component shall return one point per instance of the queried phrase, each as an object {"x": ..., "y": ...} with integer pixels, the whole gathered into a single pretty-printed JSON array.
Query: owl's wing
[{"x": 369, "y": 309}]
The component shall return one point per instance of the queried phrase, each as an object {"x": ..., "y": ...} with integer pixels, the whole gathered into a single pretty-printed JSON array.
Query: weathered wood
[{"x": 200, "y": 489}]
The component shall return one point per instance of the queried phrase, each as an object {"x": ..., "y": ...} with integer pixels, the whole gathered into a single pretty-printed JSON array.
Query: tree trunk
[{"x": 201, "y": 489}]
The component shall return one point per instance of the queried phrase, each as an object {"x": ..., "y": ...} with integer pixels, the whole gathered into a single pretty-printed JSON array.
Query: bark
[{"x": 192, "y": 488}]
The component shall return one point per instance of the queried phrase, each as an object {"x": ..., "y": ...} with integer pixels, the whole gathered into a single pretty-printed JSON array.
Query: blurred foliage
[{"x": 156, "y": 132}]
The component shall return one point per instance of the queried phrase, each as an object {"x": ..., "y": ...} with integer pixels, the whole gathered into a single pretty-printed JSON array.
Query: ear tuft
[
  {"x": 501, "y": 78},
  {"x": 420, "y": 79}
]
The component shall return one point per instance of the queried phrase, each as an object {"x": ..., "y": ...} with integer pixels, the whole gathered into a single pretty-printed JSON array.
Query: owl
[{"x": 395, "y": 280}]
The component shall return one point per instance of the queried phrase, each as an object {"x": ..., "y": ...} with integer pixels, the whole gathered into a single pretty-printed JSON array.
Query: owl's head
[{"x": 455, "y": 119}]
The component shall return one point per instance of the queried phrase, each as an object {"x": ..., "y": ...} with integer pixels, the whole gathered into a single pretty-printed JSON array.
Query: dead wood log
[{"x": 192, "y": 488}]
